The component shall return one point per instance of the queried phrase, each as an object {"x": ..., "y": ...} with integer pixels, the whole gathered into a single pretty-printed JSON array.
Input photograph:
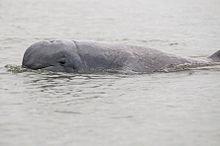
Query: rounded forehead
[
  {"x": 55, "y": 44},
  {"x": 50, "y": 47}
]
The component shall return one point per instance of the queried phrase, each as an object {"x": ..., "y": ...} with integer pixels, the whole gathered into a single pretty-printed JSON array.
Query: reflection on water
[
  {"x": 81, "y": 108},
  {"x": 112, "y": 108}
]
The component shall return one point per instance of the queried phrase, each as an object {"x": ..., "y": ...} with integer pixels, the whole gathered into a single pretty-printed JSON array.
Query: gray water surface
[{"x": 110, "y": 109}]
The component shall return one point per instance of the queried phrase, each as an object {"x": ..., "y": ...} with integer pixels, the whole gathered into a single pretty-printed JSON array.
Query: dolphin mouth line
[
  {"x": 46, "y": 67},
  {"x": 37, "y": 67}
]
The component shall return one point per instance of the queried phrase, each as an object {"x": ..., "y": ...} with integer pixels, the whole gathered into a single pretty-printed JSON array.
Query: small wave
[
  {"x": 167, "y": 69},
  {"x": 188, "y": 66},
  {"x": 20, "y": 69},
  {"x": 154, "y": 40},
  {"x": 15, "y": 68}
]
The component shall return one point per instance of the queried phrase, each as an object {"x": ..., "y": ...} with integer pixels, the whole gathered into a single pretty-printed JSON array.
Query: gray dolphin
[{"x": 87, "y": 56}]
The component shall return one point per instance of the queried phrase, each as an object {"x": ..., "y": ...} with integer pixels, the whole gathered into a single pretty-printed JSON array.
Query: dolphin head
[{"x": 57, "y": 56}]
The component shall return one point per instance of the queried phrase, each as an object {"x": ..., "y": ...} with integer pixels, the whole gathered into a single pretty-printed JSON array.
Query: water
[{"x": 177, "y": 108}]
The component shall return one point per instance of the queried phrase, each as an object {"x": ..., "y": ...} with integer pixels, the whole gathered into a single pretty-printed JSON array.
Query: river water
[{"x": 106, "y": 109}]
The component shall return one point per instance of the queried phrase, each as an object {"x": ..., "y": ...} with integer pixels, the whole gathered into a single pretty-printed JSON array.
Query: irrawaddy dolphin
[{"x": 87, "y": 56}]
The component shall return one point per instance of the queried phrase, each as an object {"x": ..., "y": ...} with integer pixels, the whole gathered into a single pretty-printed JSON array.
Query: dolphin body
[{"x": 86, "y": 56}]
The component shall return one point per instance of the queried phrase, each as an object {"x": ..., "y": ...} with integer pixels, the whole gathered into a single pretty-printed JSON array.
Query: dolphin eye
[{"x": 62, "y": 62}]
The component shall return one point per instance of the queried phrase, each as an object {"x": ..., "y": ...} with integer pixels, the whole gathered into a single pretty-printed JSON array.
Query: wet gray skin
[{"x": 81, "y": 56}]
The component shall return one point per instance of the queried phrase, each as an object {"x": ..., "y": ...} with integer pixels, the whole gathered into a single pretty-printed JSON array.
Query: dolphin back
[{"x": 216, "y": 56}]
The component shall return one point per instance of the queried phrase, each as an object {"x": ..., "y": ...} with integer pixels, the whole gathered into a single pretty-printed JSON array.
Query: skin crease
[{"x": 87, "y": 56}]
